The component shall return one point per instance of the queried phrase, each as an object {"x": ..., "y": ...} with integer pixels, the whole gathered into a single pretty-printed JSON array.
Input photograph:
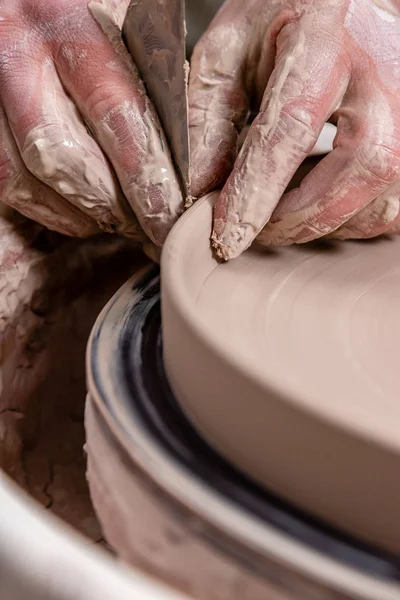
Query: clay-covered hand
[
  {"x": 301, "y": 62},
  {"x": 78, "y": 137}
]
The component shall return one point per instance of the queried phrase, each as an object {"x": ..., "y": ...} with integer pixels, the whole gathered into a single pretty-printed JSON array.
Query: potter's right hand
[
  {"x": 75, "y": 123},
  {"x": 299, "y": 63}
]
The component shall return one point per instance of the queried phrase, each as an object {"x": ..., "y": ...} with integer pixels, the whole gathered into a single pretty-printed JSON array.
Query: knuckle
[
  {"x": 47, "y": 155},
  {"x": 8, "y": 25},
  {"x": 379, "y": 162},
  {"x": 15, "y": 188},
  {"x": 320, "y": 227},
  {"x": 100, "y": 100},
  {"x": 297, "y": 123},
  {"x": 8, "y": 17},
  {"x": 6, "y": 170},
  {"x": 77, "y": 176},
  {"x": 44, "y": 11},
  {"x": 20, "y": 45},
  {"x": 383, "y": 210},
  {"x": 219, "y": 53},
  {"x": 11, "y": 32},
  {"x": 35, "y": 152}
]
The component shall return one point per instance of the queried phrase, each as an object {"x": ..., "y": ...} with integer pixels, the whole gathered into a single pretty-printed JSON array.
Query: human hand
[
  {"x": 302, "y": 62},
  {"x": 64, "y": 71}
]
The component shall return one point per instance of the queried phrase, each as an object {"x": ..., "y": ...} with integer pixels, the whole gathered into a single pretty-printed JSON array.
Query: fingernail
[{"x": 235, "y": 239}]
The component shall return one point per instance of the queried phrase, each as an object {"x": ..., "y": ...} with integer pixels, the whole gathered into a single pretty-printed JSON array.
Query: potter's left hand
[
  {"x": 304, "y": 62},
  {"x": 80, "y": 144}
]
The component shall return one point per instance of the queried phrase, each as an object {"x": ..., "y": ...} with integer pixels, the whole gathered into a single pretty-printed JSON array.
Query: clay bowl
[
  {"x": 170, "y": 503},
  {"x": 285, "y": 361}
]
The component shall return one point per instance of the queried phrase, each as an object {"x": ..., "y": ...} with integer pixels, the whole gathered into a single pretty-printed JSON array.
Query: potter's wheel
[{"x": 219, "y": 531}]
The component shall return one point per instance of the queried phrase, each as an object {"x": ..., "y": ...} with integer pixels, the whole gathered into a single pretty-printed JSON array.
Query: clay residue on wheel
[{"x": 52, "y": 289}]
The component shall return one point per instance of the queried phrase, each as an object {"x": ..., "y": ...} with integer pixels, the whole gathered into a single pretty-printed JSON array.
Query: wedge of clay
[{"x": 286, "y": 362}]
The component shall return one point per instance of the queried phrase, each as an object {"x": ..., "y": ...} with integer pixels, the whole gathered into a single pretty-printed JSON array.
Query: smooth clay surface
[{"x": 286, "y": 361}]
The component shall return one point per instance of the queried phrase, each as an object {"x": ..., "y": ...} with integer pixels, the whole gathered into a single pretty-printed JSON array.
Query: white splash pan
[
  {"x": 41, "y": 558},
  {"x": 294, "y": 428}
]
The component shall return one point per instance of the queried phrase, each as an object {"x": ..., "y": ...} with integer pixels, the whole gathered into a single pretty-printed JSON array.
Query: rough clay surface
[{"x": 51, "y": 291}]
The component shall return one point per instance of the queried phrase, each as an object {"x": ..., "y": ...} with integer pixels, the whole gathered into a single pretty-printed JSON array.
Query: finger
[
  {"x": 107, "y": 89},
  {"x": 218, "y": 103},
  {"x": 55, "y": 144},
  {"x": 380, "y": 216},
  {"x": 360, "y": 168},
  {"x": 32, "y": 198},
  {"x": 292, "y": 115}
]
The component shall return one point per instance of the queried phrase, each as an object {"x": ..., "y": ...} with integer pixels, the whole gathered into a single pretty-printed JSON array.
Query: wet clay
[{"x": 286, "y": 361}]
